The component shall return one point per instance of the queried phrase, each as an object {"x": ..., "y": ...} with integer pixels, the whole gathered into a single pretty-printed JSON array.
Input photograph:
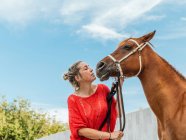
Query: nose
[{"x": 101, "y": 65}]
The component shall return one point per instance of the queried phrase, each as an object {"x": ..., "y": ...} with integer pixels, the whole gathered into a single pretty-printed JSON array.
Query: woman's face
[{"x": 86, "y": 73}]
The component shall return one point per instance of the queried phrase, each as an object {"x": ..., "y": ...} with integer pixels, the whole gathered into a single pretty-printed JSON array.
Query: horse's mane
[{"x": 172, "y": 68}]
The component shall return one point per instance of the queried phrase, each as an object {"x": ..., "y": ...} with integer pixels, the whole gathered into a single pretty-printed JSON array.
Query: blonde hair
[{"x": 72, "y": 72}]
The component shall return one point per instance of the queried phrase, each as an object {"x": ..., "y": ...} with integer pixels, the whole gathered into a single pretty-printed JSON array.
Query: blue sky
[{"x": 39, "y": 40}]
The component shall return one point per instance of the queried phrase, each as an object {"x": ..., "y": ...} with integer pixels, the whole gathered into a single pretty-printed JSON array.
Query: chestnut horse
[{"x": 164, "y": 87}]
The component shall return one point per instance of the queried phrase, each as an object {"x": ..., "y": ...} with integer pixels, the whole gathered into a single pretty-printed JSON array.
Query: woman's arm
[{"x": 95, "y": 134}]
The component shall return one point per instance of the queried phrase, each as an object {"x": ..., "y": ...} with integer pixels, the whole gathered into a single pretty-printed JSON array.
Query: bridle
[
  {"x": 139, "y": 48},
  {"x": 120, "y": 74}
]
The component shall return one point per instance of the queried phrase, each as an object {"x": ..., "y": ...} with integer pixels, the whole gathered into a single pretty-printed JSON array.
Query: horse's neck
[{"x": 160, "y": 83}]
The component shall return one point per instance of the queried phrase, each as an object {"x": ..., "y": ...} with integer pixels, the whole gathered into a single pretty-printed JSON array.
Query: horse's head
[{"x": 126, "y": 58}]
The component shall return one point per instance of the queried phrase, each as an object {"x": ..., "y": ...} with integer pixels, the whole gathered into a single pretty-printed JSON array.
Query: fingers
[
  {"x": 121, "y": 134},
  {"x": 117, "y": 135}
]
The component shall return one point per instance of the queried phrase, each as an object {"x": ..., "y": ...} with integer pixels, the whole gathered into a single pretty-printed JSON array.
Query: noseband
[{"x": 139, "y": 49}]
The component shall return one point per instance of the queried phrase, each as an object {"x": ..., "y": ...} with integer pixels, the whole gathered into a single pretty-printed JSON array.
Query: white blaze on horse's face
[{"x": 126, "y": 58}]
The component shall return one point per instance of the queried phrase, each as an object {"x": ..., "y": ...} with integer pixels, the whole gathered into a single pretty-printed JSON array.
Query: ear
[
  {"x": 77, "y": 78},
  {"x": 148, "y": 37}
]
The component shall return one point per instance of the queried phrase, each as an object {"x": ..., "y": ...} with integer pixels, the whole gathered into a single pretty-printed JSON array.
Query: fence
[{"x": 140, "y": 125}]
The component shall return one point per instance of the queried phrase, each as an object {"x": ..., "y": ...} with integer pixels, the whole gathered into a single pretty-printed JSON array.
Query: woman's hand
[{"x": 116, "y": 135}]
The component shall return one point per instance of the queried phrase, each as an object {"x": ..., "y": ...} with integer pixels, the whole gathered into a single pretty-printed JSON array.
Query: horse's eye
[{"x": 127, "y": 47}]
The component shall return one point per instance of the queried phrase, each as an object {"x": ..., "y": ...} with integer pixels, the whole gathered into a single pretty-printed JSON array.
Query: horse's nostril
[{"x": 100, "y": 65}]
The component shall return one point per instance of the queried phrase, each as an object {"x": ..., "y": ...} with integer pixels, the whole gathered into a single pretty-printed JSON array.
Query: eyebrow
[{"x": 85, "y": 66}]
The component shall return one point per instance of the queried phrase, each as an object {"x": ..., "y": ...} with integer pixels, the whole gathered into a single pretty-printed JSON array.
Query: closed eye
[{"x": 127, "y": 47}]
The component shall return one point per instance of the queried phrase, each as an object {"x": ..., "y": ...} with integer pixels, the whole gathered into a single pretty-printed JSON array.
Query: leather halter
[{"x": 139, "y": 49}]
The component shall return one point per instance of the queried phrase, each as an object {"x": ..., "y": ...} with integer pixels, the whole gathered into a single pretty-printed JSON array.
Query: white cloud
[
  {"x": 22, "y": 12},
  {"x": 73, "y": 12},
  {"x": 97, "y": 18},
  {"x": 105, "y": 17},
  {"x": 60, "y": 114},
  {"x": 107, "y": 12},
  {"x": 17, "y": 11},
  {"x": 74, "y": 7},
  {"x": 123, "y": 13},
  {"x": 99, "y": 31}
]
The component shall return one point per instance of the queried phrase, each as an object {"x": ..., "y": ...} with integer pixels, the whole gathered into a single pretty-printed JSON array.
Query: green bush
[{"x": 19, "y": 122}]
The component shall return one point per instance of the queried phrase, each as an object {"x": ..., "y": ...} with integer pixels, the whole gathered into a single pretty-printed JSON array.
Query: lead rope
[
  {"x": 116, "y": 88},
  {"x": 120, "y": 104}
]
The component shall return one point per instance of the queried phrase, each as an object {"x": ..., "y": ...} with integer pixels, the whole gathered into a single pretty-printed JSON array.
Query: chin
[{"x": 94, "y": 79}]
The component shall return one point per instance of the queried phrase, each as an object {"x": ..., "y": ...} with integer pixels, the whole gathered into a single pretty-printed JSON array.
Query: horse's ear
[{"x": 148, "y": 36}]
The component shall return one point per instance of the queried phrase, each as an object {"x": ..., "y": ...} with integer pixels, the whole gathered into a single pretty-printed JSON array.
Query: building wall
[{"x": 140, "y": 125}]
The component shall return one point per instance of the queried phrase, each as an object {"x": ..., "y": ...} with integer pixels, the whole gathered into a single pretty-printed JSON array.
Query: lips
[{"x": 104, "y": 76}]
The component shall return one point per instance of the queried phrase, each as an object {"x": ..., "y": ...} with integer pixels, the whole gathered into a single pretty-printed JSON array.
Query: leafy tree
[{"x": 18, "y": 121}]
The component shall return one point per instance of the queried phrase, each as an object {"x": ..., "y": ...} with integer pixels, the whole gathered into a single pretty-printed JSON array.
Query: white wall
[{"x": 140, "y": 125}]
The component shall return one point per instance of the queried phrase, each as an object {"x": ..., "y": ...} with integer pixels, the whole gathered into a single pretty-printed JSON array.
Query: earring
[{"x": 76, "y": 88}]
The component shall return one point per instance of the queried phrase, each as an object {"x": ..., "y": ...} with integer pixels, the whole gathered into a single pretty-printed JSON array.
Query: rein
[{"x": 120, "y": 103}]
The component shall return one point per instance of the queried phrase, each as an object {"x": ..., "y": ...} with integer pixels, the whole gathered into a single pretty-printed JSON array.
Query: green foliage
[{"x": 19, "y": 122}]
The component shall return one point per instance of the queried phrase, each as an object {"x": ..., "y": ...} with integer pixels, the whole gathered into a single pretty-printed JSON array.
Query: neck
[
  {"x": 86, "y": 89},
  {"x": 160, "y": 84}
]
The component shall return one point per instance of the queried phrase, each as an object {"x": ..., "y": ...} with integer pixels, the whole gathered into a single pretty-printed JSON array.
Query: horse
[{"x": 164, "y": 87}]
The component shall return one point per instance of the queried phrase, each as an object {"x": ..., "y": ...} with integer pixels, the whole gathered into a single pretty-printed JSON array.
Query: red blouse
[{"x": 89, "y": 112}]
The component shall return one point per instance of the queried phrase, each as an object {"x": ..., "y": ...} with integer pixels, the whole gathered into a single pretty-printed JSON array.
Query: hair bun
[{"x": 65, "y": 76}]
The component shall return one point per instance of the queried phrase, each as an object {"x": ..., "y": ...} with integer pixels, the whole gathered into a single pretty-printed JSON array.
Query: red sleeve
[{"x": 75, "y": 120}]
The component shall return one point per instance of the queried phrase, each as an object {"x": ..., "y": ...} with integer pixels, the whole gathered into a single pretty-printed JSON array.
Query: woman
[{"x": 88, "y": 106}]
